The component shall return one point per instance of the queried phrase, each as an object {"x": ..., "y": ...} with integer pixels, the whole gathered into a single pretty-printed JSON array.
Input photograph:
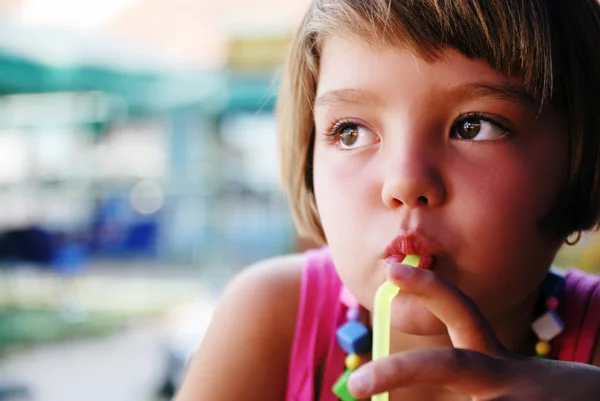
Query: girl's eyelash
[
  {"x": 472, "y": 116},
  {"x": 336, "y": 126}
]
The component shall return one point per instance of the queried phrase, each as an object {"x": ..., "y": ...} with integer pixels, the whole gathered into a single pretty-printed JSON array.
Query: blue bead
[
  {"x": 354, "y": 338},
  {"x": 553, "y": 285}
]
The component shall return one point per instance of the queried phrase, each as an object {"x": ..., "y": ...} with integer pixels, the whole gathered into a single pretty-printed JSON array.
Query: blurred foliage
[
  {"x": 37, "y": 306},
  {"x": 22, "y": 327},
  {"x": 585, "y": 255}
]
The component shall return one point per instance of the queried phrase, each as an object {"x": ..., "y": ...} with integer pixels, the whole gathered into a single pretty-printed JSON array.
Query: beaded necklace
[{"x": 354, "y": 337}]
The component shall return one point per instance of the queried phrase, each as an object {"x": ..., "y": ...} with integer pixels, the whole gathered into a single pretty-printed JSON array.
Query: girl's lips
[
  {"x": 411, "y": 244},
  {"x": 425, "y": 261}
]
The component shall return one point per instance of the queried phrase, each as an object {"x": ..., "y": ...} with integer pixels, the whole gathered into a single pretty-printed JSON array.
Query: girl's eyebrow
[
  {"x": 469, "y": 91},
  {"x": 505, "y": 90},
  {"x": 348, "y": 96}
]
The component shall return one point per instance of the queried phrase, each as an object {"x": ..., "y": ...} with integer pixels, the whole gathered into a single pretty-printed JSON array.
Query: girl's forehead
[
  {"x": 355, "y": 54},
  {"x": 352, "y": 63}
]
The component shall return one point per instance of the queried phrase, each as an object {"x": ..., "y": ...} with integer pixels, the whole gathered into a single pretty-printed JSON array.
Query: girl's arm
[{"x": 246, "y": 350}]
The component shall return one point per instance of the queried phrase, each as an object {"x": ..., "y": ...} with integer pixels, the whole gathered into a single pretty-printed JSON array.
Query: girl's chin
[{"x": 411, "y": 317}]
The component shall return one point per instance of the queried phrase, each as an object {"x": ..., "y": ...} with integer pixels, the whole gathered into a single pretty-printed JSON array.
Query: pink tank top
[{"x": 317, "y": 361}]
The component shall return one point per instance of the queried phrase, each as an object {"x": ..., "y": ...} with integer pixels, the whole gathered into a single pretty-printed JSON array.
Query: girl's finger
[
  {"x": 461, "y": 371},
  {"x": 466, "y": 325}
]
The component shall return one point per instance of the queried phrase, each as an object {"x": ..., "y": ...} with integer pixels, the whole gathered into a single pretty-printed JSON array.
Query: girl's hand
[{"x": 478, "y": 365}]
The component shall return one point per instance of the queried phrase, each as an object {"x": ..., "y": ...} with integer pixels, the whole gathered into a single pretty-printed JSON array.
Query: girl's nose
[{"x": 411, "y": 180}]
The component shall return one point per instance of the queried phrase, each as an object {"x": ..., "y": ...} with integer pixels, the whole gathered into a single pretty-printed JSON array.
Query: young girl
[{"x": 464, "y": 131}]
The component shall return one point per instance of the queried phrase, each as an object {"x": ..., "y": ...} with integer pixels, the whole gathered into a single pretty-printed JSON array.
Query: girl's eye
[
  {"x": 477, "y": 128},
  {"x": 349, "y": 136}
]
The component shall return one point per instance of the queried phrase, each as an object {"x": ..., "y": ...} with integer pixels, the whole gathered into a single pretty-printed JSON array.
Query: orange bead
[
  {"x": 543, "y": 348},
  {"x": 353, "y": 361}
]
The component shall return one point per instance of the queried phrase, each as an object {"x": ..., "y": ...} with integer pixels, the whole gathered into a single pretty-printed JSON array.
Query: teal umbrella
[{"x": 46, "y": 61}]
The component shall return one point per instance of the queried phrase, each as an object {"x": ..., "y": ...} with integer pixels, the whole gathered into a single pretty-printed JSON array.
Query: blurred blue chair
[{"x": 27, "y": 244}]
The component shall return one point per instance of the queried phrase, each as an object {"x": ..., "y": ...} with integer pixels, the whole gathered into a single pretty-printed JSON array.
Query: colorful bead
[
  {"x": 353, "y": 361},
  {"x": 354, "y": 338},
  {"x": 548, "y": 326},
  {"x": 353, "y": 314},
  {"x": 340, "y": 388},
  {"x": 553, "y": 285},
  {"x": 552, "y": 303},
  {"x": 348, "y": 299},
  {"x": 543, "y": 348}
]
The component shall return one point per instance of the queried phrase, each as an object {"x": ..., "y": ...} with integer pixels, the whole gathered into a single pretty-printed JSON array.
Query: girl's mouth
[{"x": 411, "y": 244}]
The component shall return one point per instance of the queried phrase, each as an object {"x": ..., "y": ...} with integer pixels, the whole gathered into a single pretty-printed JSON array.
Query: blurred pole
[{"x": 191, "y": 230}]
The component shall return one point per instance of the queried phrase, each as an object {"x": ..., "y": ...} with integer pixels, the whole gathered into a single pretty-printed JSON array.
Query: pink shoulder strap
[
  {"x": 580, "y": 309},
  {"x": 315, "y": 325}
]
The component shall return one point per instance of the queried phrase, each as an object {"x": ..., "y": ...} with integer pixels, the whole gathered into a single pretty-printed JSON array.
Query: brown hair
[{"x": 552, "y": 44}]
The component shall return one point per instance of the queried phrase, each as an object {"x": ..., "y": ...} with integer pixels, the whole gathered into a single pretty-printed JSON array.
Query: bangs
[{"x": 512, "y": 36}]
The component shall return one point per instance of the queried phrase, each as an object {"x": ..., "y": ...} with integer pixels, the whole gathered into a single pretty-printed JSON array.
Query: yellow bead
[
  {"x": 353, "y": 361},
  {"x": 542, "y": 348}
]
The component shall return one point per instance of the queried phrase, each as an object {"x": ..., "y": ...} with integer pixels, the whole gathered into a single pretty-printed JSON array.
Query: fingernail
[
  {"x": 359, "y": 382},
  {"x": 400, "y": 271}
]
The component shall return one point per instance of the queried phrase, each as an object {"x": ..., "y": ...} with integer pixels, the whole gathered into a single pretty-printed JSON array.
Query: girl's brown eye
[
  {"x": 349, "y": 136},
  {"x": 468, "y": 129},
  {"x": 475, "y": 128}
]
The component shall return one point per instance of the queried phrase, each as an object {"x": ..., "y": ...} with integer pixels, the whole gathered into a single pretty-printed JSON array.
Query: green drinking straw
[{"x": 381, "y": 319}]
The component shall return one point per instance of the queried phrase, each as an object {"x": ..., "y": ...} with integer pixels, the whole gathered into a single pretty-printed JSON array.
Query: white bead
[{"x": 548, "y": 326}]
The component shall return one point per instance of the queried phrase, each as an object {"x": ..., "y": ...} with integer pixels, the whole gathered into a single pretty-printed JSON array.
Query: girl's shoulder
[
  {"x": 268, "y": 292},
  {"x": 270, "y": 288},
  {"x": 250, "y": 337},
  {"x": 280, "y": 275}
]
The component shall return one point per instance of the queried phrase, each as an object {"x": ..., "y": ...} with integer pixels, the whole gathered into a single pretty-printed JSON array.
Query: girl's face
[{"x": 448, "y": 159}]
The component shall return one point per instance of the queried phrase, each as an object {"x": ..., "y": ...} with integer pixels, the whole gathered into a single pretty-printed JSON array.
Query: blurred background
[{"x": 138, "y": 173}]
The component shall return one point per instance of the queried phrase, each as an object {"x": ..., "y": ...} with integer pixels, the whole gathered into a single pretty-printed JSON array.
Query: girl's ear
[{"x": 573, "y": 238}]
